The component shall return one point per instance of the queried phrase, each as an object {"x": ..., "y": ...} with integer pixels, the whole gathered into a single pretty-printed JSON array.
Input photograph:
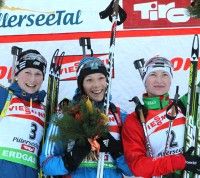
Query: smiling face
[
  {"x": 157, "y": 83},
  {"x": 94, "y": 86},
  {"x": 30, "y": 80}
]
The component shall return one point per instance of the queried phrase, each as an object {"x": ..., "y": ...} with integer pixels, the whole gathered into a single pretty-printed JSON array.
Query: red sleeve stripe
[{"x": 29, "y": 117}]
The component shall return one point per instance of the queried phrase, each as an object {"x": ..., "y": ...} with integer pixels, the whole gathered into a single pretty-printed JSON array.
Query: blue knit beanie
[{"x": 87, "y": 66}]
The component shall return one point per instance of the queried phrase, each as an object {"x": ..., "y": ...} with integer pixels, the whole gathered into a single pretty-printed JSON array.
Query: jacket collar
[
  {"x": 37, "y": 96},
  {"x": 157, "y": 102}
]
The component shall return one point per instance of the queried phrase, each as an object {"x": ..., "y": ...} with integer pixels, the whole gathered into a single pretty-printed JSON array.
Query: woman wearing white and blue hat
[{"x": 22, "y": 117}]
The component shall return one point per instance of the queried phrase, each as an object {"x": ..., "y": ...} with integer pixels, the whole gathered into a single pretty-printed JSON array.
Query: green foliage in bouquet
[
  {"x": 81, "y": 121},
  {"x": 1, "y": 3},
  {"x": 194, "y": 9}
]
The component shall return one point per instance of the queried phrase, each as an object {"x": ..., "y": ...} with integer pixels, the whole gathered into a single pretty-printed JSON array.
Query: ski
[
  {"x": 15, "y": 51},
  {"x": 52, "y": 92},
  {"x": 53, "y": 85},
  {"x": 139, "y": 65},
  {"x": 192, "y": 123},
  {"x": 197, "y": 144},
  {"x": 85, "y": 42}
]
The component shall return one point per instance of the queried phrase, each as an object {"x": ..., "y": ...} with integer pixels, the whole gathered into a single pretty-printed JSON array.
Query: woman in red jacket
[{"x": 147, "y": 150}]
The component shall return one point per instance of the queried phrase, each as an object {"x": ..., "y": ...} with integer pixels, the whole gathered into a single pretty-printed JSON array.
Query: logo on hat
[
  {"x": 22, "y": 65},
  {"x": 94, "y": 65},
  {"x": 36, "y": 63}
]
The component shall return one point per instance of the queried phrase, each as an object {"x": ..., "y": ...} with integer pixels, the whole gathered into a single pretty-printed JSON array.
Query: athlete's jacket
[
  {"x": 52, "y": 163},
  {"x": 136, "y": 153},
  {"x": 21, "y": 130}
]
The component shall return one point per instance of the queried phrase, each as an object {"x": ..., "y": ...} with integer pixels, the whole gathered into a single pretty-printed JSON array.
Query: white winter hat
[{"x": 157, "y": 63}]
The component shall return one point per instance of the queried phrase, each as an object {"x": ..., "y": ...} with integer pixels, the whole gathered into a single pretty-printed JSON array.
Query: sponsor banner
[
  {"x": 158, "y": 14},
  {"x": 34, "y": 21},
  {"x": 18, "y": 156},
  {"x": 27, "y": 148},
  {"x": 35, "y": 17}
]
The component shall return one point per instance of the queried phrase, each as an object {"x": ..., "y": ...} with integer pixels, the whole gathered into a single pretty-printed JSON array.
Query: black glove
[
  {"x": 192, "y": 161},
  {"x": 109, "y": 144},
  {"x": 103, "y": 144},
  {"x": 144, "y": 110},
  {"x": 74, "y": 158}
]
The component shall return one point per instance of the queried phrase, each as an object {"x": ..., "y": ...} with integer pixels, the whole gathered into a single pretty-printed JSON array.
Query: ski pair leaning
[
  {"x": 52, "y": 92},
  {"x": 192, "y": 133}
]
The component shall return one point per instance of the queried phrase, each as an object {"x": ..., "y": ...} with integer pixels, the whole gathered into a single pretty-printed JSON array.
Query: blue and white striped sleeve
[{"x": 51, "y": 157}]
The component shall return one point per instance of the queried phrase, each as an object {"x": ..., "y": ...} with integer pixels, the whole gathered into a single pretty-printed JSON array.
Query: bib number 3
[{"x": 32, "y": 134}]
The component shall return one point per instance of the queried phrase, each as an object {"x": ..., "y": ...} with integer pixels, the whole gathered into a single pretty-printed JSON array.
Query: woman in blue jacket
[
  {"x": 22, "y": 117},
  {"x": 73, "y": 160}
]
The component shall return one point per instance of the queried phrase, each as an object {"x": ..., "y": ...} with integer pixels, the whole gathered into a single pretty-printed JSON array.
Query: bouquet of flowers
[
  {"x": 2, "y": 2},
  {"x": 194, "y": 9},
  {"x": 80, "y": 122}
]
